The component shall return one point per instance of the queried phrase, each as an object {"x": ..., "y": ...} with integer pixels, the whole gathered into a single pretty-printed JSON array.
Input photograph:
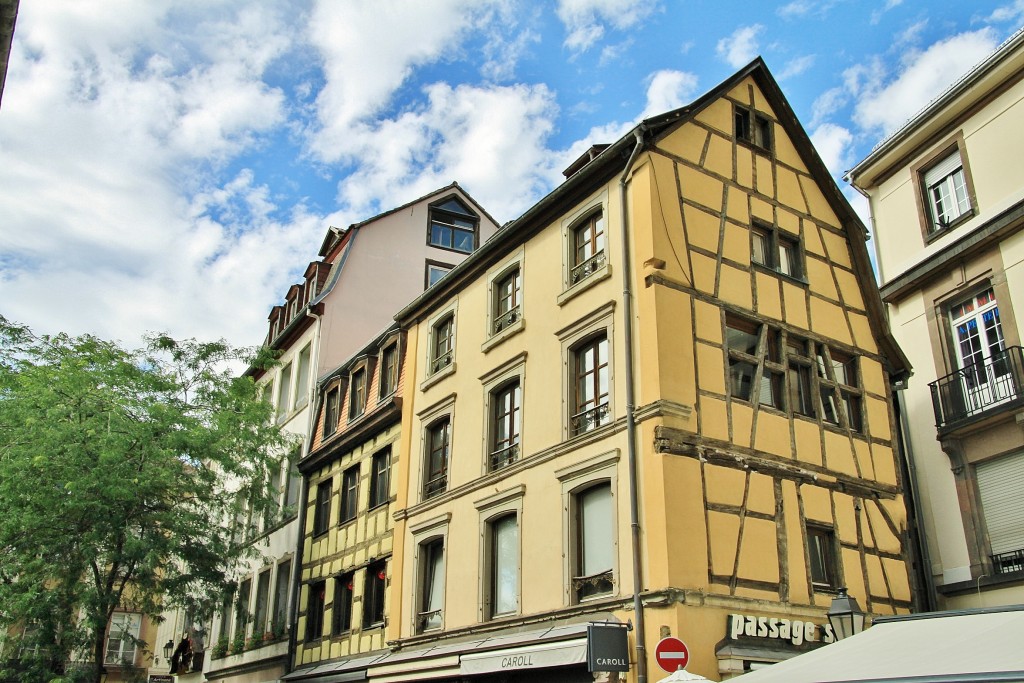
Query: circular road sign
[{"x": 672, "y": 654}]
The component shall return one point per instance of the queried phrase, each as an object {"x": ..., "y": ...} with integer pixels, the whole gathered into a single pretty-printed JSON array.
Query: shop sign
[
  {"x": 542, "y": 656},
  {"x": 607, "y": 647},
  {"x": 153, "y": 678},
  {"x": 795, "y": 631}
]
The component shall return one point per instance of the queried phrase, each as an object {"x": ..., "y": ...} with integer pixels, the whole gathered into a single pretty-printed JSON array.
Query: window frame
[
  {"x": 380, "y": 478},
  {"x": 374, "y": 595},
  {"x": 332, "y": 410},
  {"x": 431, "y": 267},
  {"x": 322, "y": 507},
  {"x": 437, "y": 446},
  {"x": 344, "y": 590},
  {"x": 822, "y": 543},
  {"x": 387, "y": 382},
  {"x": 132, "y": 630},
  {"x": 441, "y": 345},
  {"x": 316, "y": 605},
  {"x": 261, "y": 611},
  {"x": 284, "y": 404},
  {"x": 775, "y": 242},
  {"x": 446, "y": 218},
  {"x": 574, "y": 337},
  {"x": 349, "y": 495},
  {"x": 574, "y": 283},
  {"x": 357, "y": 391},
  {"x": 753, "y": 128},
  {"x": 584, "y": 381},
  {"x": 302, "y": 377},
  {"x": 279, "y": 616},
  {"x": 930, "y": 230}
]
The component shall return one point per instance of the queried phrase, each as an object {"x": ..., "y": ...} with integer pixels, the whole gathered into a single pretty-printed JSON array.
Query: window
[
  {"x": 506, "y": 300},
  {"x": 435, "y": 272},
  {"x": 302, "y": 378},
  {"x": 442, "y": 339},
  {"x": 380, "y": 470},
  {"x": 837, "y": 387},
  {"x": 985, "y": 376},
  {"x": 284, "y": 570},
  {"x": 752, "y": 127},
  {"x": 293, "y": 483},
  {"x": 799, "y": 375},
  {"x": 373, "y": 594},
  {"x": 821, "y": 546},
  {"x": 315, "y": 611},
  {"x": 322, "y": 511},
  {"x": 262, "y": 604},
  {"x": 357, "y": 394},
  {"x": 285, "y": 386},
  {"x": 503, "y": 559},
  {"x": 436, "y": 466},
  {"x": 504, "y": 428},
  {"x": 431, "y": 585},
  {"x": 946, "y": 193},
  {"x": 242, "y": 615},
  {"x": 590, "y": 385},
  {"x": 453, "y": 226},
  {"x": 332, "y": 405},
  {"x": 389, "y": 370},
  {"x": 122, "y": 639},
  {"x": 743, "y": 341},
  {"x": 593, "y": 535},
  {"x": 999, "y": 484},
  {"x": 772, "y": 248},
  {"x": 341, "y": 613},
  {"x": 588, "y": 248},
  {"x": 349, "y": 494}
]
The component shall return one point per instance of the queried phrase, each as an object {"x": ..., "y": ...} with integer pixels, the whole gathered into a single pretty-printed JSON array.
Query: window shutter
[
  {"x": 942, "y": 169},
  {"x": 1000, "y": 482}
]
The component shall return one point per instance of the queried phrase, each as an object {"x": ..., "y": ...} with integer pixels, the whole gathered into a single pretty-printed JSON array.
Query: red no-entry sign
[{"x": 672, "y": 654}]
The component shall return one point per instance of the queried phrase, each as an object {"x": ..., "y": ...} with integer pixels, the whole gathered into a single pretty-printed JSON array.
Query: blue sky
[{"x": 173, "y": 165}]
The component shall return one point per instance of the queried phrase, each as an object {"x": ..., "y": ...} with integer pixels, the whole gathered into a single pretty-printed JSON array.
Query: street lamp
[
  {"x": 168, "y": 649},
  {"x": 845, "y": 615}
]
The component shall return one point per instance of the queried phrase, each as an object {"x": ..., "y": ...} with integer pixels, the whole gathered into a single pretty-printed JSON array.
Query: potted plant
[
  {"x": 238, "y": 644},
  {"x": 220, "y": 648}
]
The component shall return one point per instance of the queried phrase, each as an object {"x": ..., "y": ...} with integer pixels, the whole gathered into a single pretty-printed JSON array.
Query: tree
[{"x": 118, "y": 469}]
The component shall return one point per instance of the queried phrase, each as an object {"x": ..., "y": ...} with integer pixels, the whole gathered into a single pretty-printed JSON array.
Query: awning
[
  {"x": 935, "y": 647},
  {"x": 541, "y": 656}
]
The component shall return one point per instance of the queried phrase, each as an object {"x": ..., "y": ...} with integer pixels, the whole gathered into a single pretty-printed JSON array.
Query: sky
[{"x": 174, "y": 165}]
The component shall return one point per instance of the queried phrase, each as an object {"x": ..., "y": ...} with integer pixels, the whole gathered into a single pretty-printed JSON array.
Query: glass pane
[
  {"x": 506, "y": 565},
  {"x": 595, "y": 510},
  {"x": 440, "y": 235},
  {"x": 759, "y": 248}
]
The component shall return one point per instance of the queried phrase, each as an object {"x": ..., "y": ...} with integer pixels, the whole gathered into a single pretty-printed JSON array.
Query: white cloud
[
  {"x": 668, "y": 90},
  {"x": 911, "y": 35},
  {"x": 1013, "y": 12},
  {"x": 585, "y": 20},
  {"x": 833, "y": 144},
  {"x": 800, "y": 9},
  {"x": 922, "y": 77},
  {"x": 795, "y": 67},
  {"x": 113, "y": 118},
  {"x": 741, "y": 47},
  {"x": 827, "y": 105},
  {"x": 490, "y": 139}
]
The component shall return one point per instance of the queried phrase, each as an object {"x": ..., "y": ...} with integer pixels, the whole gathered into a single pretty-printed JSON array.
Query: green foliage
[{"x": 118, "y": 469}]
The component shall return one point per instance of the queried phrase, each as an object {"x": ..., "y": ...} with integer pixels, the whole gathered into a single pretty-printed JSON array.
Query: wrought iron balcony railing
[
  {"x": 1004, "y": 563},
  {"x": 977, "y": 389},
  {"x": 504, "y": 457},
  {"x": 584, "y": 270},
  {"x": 588, "y": 419}
]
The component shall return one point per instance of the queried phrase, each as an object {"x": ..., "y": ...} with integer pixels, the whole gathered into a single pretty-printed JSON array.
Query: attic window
[
  {"x": 453, "y": 226},
  {"x": 752, "y": 127}
]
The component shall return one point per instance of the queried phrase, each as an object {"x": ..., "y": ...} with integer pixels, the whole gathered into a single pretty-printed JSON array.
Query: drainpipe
[
  {"x": 634, "y": 512},
  {"x": 293, "y": 595}
]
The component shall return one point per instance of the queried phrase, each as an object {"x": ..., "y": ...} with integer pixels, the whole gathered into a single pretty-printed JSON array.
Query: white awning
[
  {"x": 540, "y": 656},
  {"x": 965, "y": 646}
]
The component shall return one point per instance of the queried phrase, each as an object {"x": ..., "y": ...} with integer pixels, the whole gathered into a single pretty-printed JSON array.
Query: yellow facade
[{"x": 532, "y": 417}]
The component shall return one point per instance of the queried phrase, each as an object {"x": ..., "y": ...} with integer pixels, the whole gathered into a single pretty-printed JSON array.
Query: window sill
[
  {"x": 510, "y": 331},
  {"x": 347, "y": 522},
  {"x": 438, "y": 376},
  {"x": 797, "y": 280},
  {"x": 936, "y": 235},
  {"x": 599, "y": 275}
]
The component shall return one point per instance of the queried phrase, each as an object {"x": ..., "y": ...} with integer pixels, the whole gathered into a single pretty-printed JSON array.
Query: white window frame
[
  {"x": 492, "y": 509},
  {"x": 512, "y": 369},
  {"x": 575, "y": 479},
  {"x": 428, "y": 417},
  {"x": 597, "y": 203},
  {"x": 601, "y": 319},
  {"x": 127, "y": 647},
  {"x": 422, "y": 533},
  {"x": 433, "y": 375},
  {"x": 514, "y": 321}
]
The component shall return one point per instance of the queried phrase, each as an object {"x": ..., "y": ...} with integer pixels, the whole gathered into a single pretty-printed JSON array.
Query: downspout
[
  {"x": 634, "y": 512},
  {"x": 293, "y": 595}
]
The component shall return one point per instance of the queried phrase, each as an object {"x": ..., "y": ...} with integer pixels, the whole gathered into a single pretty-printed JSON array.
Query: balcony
[
  {"x": 978, "y": 390},
  {"x": 1005, "y": 563}
]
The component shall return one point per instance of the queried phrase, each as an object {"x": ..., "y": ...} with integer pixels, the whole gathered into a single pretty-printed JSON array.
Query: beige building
[
  {"x": 660, "y": 398},
  {"x": 947, "y": 202},
  {"x": 341, "y": 301}
]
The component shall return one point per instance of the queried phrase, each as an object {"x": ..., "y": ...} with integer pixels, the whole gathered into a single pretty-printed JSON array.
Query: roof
[
  {"x": 8, "y": 17},
  {"x": 611, "y": 161},
  {"x": 1005, "y": 64},
  {"x": 935, "y": 647}
]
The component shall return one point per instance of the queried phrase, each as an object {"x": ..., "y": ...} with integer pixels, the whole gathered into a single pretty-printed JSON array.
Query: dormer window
[{"x": 453, "y": 226}]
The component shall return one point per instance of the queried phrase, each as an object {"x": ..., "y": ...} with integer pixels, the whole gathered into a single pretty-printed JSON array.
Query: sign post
[{"x": 672, "y": 654}]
